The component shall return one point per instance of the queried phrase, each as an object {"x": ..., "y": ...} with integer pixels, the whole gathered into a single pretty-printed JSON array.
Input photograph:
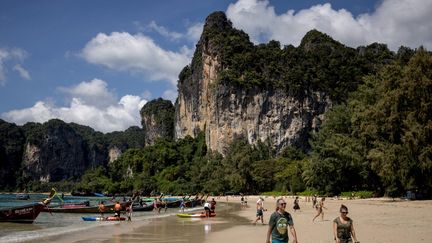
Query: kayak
[
  {"x": 194, "y": 215},
  {"x": 110, "y": 218}
]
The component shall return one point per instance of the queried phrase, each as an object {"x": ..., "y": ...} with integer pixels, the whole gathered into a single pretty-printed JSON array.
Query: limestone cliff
[
  {"x": 157, "y": 119},
  {"x": 11, "y": 148},
  {"x": 54, "y": 153},
  {"x": 226, "y": 110}
]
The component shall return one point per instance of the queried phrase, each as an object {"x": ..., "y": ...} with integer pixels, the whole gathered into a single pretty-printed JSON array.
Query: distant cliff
[
  {"x": 233, "y": 88},
  {"x": 55, "y": 151}
]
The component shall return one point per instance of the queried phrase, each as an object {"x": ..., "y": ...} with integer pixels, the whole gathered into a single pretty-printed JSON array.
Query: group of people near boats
[{"x": 281, "y": 220}]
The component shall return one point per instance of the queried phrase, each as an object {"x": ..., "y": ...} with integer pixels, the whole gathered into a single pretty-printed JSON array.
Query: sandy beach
[{"x": 375, "y": 220}]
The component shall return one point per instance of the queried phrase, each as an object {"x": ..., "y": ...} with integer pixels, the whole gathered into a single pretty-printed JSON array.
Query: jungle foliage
[{"x": 378, "y": 142}]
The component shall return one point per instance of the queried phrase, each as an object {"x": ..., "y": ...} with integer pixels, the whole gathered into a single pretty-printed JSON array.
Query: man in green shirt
[{"x": 279, "y": 222}]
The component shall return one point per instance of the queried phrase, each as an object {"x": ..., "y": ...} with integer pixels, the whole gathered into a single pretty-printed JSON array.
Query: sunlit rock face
[
  {"x": 157, "y": 120},
  {"x": 225, "y": 111}
]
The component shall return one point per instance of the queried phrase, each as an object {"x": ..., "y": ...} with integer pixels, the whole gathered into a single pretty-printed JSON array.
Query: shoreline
[{"x": 376, "y": 220}]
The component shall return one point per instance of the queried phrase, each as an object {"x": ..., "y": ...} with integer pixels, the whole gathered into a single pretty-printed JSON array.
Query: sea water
[{"x": 48, "y": 225}]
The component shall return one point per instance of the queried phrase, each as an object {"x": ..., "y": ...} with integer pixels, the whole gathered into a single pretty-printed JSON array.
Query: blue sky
[{"x": 98, "y": 62}]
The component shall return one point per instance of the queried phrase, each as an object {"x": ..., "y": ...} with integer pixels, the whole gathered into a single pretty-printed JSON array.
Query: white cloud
[
  {"x": 135, "y": 53},
  {"x": 12, "y": 55},
  {"x": 170, "y": 95},
  {"x": 394, "y": 22},
  {"x": 194, "y": 32},
  {"x": 147, "y": 95},
  {"x": 93, "y": 93},
  {"x": 164, "y": 31},
  {"x": 83, "y": 109},
  {"x": 22, "y": 72}
]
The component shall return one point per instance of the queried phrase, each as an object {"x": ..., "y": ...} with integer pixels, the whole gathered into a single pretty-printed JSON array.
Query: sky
[{"x": 97, "y": 62}]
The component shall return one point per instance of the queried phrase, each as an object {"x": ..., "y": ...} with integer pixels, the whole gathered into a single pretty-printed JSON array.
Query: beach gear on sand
[
  {"x": 110, "y": 218},
  {"x": 194, "y": 215}
]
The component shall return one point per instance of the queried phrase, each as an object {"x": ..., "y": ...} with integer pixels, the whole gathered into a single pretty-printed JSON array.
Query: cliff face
[
  {"x": 11, "y": 148},
  {"x": 226, "y": 111},
  {"x": 57, "y": 153},
  {"x": 55, "y": 150},
  {"x": 157, "y": 119}
]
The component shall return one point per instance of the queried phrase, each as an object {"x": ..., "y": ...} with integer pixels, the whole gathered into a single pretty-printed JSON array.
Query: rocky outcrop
[
  {"x": 54, "y": 154},
  {"x": 11, "y": 149},
  {"x": 55, "y": 151},
  {"x": 225, "y": 111},
  {"x": 157, "y": 119},
  {"x": 113, "y": 154}
]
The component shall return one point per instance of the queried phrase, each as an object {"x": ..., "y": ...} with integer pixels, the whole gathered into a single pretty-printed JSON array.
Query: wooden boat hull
[
  {"x": 22, "y": 197},
  {"x": 194, "y": 215},
  {"x": 84, "y": 209},
  {"x": 22, "y": 214},
  {"x": 143, "y": 208}
]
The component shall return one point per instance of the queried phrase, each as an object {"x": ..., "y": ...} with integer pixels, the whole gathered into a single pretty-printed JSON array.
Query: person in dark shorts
[
  {"x": 296, "y": 204},
  {"x": 343, "y": 227},
  {"x": 102, "y": 208},
  {"x": 117, "y": 209},
  {"x": 279, "y": 223},
  {"x": 207, "y": 209},
  {"x": 260, "y": 211}
]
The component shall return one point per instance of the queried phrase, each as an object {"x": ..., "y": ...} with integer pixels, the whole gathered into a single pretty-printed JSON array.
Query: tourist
[
  {"x": 314, "y": 201},
  {"x": 101, "y": 208},
  {"x": 212, "y": 205},
  {"x": 207, "y": 209},
  {"x": 320, "y": 211},
  {"x": 343, "y": 227},
  {"x": 279, "y": 222},
  {"x": 155, "y": 205},
  {"x": 182, "y": 205},
  {"x": 117, "y": 209},
  {"x": 296, "y": 204},
  {"x": 129, "y": 211},
  {"x": 260, "y": 210}
]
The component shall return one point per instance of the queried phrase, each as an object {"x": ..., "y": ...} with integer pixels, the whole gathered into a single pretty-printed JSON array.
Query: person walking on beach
[
  {"x": 129, "y": 212},
  {"x": 320, "y": 211},
  {"x": 279, "y": 223},
  {"x": 296, "y": 204},
  {"x": 343, "y": 227},
  {"x": 260, "y": 210},
  {"x": 182, "y": 206},
  {"x": 314, "y": 201},
  {"x": 155, "y": 205},
  {"x": 101, "y": 208}
]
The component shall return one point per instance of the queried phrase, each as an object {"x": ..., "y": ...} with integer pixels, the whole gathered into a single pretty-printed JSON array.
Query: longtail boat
[
  {"x": 25, "y": 213},
  {"x": 21, "y": 214},
  {"x": 83, "y": 209}
]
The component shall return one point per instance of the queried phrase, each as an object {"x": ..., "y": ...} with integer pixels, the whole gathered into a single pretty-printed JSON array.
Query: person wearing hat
[{"x": 260, "y": 210}]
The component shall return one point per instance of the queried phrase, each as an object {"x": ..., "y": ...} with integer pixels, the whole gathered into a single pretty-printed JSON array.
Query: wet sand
[{"x": 378, "y": 220}]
